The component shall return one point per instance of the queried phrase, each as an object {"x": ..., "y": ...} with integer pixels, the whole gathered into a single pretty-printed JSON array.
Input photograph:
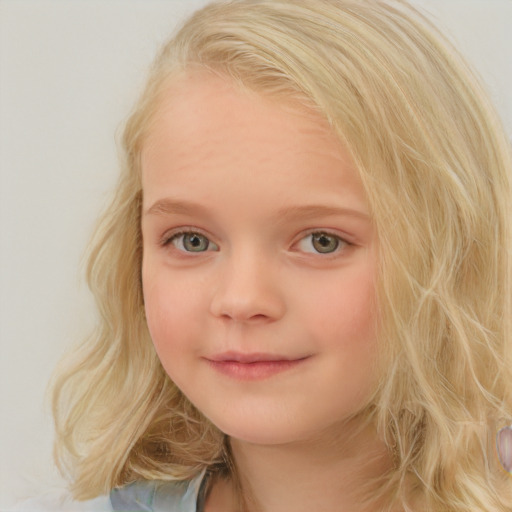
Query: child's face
[{"x": 259, "y": 263}]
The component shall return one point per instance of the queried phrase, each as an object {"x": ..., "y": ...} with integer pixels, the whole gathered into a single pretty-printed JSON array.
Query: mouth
[
  {"x": 255, "y": 366},
  {"x": 256, "y": 357}
]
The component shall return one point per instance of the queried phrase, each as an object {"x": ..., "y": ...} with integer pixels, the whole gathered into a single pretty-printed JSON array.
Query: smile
[{"x": 253, "y": 366}]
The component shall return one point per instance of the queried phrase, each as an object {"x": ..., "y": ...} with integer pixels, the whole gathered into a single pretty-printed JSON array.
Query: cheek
[
  {"x": 344, "y": 308},
  {"x": 349, "y": 339},
  {"x": 169, "y": 309},
  {"x": 342, "y": 320},
  {"x": 160, "y": 323}
]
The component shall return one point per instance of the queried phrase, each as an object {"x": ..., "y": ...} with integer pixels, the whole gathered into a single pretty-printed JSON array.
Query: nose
[{"x": 248, "y": 290}]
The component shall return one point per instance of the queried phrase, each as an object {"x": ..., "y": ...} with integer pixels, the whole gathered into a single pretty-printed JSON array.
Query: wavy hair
[{"x": 436, "y": 166}]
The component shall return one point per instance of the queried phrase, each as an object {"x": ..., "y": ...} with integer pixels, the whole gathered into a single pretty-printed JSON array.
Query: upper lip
[{"x": 255, "y": 357}]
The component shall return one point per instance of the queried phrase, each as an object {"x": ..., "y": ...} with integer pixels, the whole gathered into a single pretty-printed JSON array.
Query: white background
[{"x": 69, "y": 72}]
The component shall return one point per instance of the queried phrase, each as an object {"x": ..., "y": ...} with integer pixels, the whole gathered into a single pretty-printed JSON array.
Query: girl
[{"x": 304, "y": 277}]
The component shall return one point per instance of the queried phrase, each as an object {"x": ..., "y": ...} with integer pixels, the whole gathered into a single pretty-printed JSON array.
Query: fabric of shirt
[{"x": 144, "y": 496}]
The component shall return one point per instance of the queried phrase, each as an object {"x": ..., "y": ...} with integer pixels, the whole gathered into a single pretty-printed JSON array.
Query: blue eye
[
  {"x": 321, "y": 243},
  {"x": 192, "y": 242}
]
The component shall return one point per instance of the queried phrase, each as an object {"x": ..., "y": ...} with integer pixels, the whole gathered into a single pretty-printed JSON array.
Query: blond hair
[{"x": 436, "y": 167}]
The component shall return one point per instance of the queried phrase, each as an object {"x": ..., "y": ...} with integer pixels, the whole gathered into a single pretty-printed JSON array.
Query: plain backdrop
[{"x": 69, "y": 72}]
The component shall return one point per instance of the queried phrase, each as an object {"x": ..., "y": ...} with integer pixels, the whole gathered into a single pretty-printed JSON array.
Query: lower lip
[{"x": 254, "y": 371}]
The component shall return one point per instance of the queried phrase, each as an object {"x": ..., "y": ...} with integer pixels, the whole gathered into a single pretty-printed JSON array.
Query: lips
[
  {"x": 255, "y": 366},
  {"x": 256, "y": 357}
]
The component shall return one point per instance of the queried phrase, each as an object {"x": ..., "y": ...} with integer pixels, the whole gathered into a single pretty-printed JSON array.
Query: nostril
[
  {"x": 248, "y": 311},
  {"x": 259, "y": 317},
  {"x": 241, "y": 317}
]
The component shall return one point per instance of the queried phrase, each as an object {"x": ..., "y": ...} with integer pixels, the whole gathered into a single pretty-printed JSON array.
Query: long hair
[{"x": 436, "y": 166}]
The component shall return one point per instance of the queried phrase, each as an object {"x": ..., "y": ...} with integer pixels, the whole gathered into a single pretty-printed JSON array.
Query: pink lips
[{"x": 254, "y": 366}]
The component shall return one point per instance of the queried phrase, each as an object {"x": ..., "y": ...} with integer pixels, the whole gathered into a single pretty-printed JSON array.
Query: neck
[{"x": 332, "y": 472}]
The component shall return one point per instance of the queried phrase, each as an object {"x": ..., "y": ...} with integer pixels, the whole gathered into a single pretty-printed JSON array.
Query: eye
[
  {"x": 191, "y": 242},
  {"x": 321, "y": 243}
]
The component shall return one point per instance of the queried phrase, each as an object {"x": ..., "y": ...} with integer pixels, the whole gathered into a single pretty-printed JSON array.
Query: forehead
[
  {"x": 201, "y": 104},
  {"x": 206, "y": 128}
]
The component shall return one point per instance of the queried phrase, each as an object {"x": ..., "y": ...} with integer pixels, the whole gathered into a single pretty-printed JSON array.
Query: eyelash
[
  {"x": 342, "y": 243},
  {"x": 168, "y": 239}
]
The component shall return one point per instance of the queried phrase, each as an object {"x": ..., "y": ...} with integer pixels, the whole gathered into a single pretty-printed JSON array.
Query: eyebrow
[
  {"x": 169, "y": 206},
  {"x": 305, "y": 212}
]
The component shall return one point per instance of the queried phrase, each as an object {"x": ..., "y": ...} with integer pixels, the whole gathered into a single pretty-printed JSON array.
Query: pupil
[
  {"x": 195, "y": 243},
  {"x": 325, "y": 243}
]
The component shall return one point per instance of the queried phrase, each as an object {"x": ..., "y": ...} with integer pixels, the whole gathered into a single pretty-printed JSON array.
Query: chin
[{"x": 261, "y": 431}]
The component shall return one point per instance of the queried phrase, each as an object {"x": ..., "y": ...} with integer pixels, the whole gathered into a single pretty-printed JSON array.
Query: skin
[{"x": 254, "y": 178}]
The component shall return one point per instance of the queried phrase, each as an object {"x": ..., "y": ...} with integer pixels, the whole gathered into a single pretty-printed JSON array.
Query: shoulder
[{"x": 158, "y": 496}]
